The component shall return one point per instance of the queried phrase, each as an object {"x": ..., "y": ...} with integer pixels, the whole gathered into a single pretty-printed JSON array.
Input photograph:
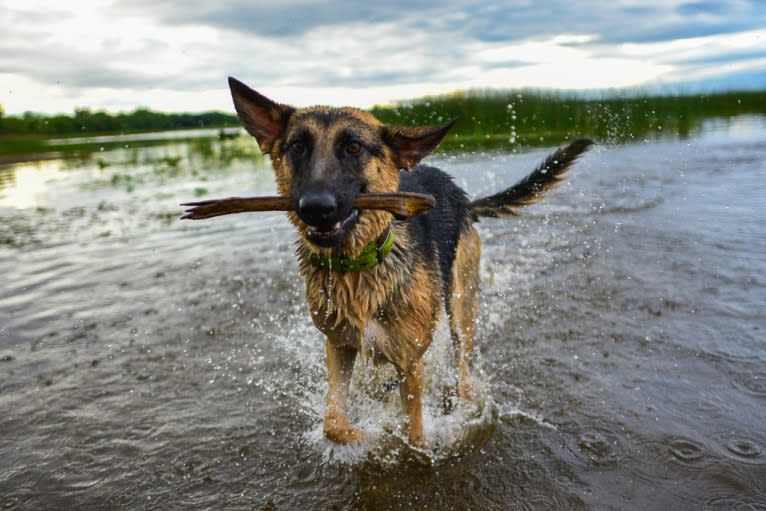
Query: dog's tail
[{"x": 530, "y": 189}]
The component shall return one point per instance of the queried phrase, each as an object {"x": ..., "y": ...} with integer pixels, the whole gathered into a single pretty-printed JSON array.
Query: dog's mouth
[{"x": 332, "y": 235}]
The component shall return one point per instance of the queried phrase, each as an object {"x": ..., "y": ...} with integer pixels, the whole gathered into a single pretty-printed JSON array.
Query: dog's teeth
[{"x": 336, "y": 226}]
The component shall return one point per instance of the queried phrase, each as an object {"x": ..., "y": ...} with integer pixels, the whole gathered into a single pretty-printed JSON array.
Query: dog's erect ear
[
  {"x": 263, "y": 118},
  {"x": 412, "y": 144}
]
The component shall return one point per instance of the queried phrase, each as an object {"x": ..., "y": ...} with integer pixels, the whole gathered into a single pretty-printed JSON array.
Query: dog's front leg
[
  {"x": 340, "y": 364},
  {"x": 411, "y": 389}
]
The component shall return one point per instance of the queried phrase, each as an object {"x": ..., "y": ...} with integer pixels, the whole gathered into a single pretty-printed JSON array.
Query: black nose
[{"x": 317, "y": 208}]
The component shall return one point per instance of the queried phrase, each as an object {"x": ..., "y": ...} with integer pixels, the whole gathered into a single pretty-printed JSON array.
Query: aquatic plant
[{"x": 531, "y": 117}]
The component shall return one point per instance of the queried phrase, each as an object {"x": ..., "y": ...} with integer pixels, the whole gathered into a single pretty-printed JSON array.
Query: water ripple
[
  {"x": 751, "y": 382},
  {"x": 598, "y": 447},
  {"x": 720, "y": 500},
  {"x": 687, "y": 452},
  {"x": 742, "y": 449},
  {"x": 602, "y": 448}
]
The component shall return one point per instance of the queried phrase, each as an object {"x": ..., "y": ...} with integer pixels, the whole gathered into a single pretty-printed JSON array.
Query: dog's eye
[
  {"x": 298, "y": 147},
  {"x": 353, "y": 147}
]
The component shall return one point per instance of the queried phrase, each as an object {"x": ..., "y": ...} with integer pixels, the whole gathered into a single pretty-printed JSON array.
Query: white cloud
[
  {"x": 117, "y": 56},
  {"x": 697, "y": 48},
  {"x": 553, "y": 50}
]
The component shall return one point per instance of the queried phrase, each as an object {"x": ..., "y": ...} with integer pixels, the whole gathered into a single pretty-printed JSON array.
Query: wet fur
[{"x": 387, "y": 313}]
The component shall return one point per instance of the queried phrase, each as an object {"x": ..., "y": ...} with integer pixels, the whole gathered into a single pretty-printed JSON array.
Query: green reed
[
  {"x": 487, "y": 119},
  {"x": 510, "y": 118}
]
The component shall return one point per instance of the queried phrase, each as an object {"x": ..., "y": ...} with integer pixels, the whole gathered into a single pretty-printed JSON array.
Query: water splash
[{"x": 374, "y": 402}]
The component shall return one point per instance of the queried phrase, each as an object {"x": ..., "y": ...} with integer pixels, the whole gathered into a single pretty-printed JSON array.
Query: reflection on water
[
  {"x": 743, "y": 127},
  {"x": 143, "y": 137},
  {"x": 25, "y": 183},
  {"x": 152, "y": 363}
]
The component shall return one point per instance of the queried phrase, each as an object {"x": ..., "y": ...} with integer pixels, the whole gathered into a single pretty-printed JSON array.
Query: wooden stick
[{"x": 400, "y": 204}]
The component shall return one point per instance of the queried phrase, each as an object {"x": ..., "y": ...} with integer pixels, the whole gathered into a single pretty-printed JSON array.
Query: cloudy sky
[{"x": 175, "y": 56}]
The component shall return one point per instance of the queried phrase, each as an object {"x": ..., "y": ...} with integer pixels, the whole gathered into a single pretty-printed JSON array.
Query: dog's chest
[
  {"x": 355, "y": 296},
  {"x": 377, "y": 345},
  {"x": 379, "y": 312}
]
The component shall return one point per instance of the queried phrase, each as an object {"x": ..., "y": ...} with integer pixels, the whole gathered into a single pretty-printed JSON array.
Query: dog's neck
[{"x": 371, "y": 256}]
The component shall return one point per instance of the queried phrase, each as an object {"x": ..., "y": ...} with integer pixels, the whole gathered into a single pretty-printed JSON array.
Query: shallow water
[{"x": 149, "y": 363}]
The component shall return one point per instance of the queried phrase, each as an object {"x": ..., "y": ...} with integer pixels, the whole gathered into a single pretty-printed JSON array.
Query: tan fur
[
  {"x": 382, "y": 175},
  {"x": 464, "y": 304},
  {"x": 347, "y": 302},
  {"x": 387, "y": 313},
  {"x": 397, "y": 308}
]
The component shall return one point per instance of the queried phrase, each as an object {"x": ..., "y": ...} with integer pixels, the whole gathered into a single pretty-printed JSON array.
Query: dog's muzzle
[
  {"x": 327, "y": 221},
  {"x": 318, "y": 209}
]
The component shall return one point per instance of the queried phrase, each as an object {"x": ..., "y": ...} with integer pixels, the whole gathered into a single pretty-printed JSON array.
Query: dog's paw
[
  {"x": 418, "y": 441},
  {"x": 345, "y": 436},
  {"x": 337, "y": 429}
]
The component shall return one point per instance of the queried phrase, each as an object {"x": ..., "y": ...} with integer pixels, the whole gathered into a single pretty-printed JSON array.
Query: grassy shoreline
[
  {"x": 33, "y": 147},
  {"x": 536, "y": 118},
  {"x": 486, "y": 120}
]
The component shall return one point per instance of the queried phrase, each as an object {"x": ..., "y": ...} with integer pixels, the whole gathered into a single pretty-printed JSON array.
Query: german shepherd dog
[{"x": 377, "y": 285}]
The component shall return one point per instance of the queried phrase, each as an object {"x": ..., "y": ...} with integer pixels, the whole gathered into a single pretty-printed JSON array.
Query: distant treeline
[
  {"x": 87, "y": 121},
  {"x": 485, "y": 118}
]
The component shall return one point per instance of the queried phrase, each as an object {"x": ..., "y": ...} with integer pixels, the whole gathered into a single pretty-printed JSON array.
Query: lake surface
[{"x": 150, "y": 363}]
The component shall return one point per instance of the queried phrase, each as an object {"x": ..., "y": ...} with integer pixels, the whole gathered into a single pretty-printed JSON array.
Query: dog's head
[{"x": 325, "y": 157}]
